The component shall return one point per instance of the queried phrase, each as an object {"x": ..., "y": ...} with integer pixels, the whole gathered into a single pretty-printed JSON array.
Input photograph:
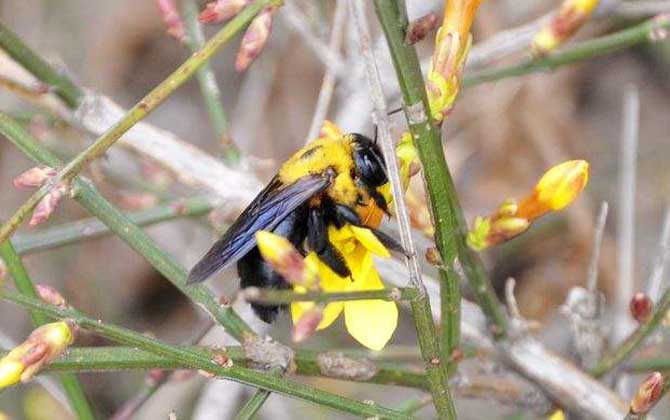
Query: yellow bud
[
  {"x": 572, "y": 16},
  {"x": 585, "y": 6},
  {"x": 557, "y": 415},
  {"x": 407, "y": 155},
  {"x": 330, "y": 130},
  {"x": 10, "y": 372},
  {"x": 508, "y": 208},
  {"x": 508, "y": 227},
  {"x": 459, "y": 15},
  {"x": 441, "y": 95},
  {"x": 286, "y": 260},
  {"x": 477, "y": 238},
  {"x": 562, "y": 184}
]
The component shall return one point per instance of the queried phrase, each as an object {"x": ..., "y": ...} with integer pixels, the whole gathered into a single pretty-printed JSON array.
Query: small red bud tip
[
  {"x": 34, "y": 177},
  {"x": 433, "y": 256},
  {"x": 47, "y": 205},
  {"x": 307, "y": 324},
  {"x": 171, "y": 19},
  {"x": 50, "y": 295},
  {"x": 154, "y": 376},
  {"x": 641, "y": 307},
  {"x": 420, "y": 28},
  {"x": 648, "y": 394},
  {"x": 222, "y": 10}
]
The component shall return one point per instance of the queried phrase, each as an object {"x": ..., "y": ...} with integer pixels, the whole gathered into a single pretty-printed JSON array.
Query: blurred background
[{"x": 501, "y": 137}]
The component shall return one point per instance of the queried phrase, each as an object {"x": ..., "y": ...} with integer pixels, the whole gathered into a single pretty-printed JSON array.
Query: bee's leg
[
  {"x": 348, "y": 215},
  {"x": 317, "y": 239}
]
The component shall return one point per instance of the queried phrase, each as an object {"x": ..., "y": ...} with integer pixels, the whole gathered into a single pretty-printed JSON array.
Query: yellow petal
[
  {"x": 562, "y": 184},
  {"x": 370, "y": 241},
  {"x": 10, "y": 372},
  {"x": 557, "y": 415},
  {"x": 371, "y": 322}
]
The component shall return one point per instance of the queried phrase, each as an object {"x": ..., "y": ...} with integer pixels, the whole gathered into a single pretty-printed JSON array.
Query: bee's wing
[{"x": 269, "y": 208}]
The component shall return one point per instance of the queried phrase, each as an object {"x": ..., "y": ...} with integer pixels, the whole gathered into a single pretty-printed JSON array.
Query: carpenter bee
[{"x": 326, "y": 183}]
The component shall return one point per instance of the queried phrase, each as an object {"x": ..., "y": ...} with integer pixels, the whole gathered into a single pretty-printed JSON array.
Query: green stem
[
  {"x": 56, "y": 79},
  {"x": 95, "y": 203},
  {"x": 208, "y": 86},
  {"x": 137, "y": 112},
  {"x": 583, "y": 51},
  {"x": 277, "y": 296},
  {"x": 251, "y": 407},
  {"x": 69, "y": 381},
  {"x": 641, "y": 366},
  {"x": 200, "y": 359},
  {"x": 450, "y": 226},
  {"x": 68, "y": 233},
  {"x": 630, "y": 344}
]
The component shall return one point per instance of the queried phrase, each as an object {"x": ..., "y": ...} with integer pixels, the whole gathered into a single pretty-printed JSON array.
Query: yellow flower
[
  {"x": 42, "y": 346},
  {"x": 557, "y": 189},
  {"x": 370, "y": 322},
  {"x": 572, "y": 16}
]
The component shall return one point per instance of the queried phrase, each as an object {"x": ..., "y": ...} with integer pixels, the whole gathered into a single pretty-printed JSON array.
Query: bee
[{"x": 326, "y": 183}]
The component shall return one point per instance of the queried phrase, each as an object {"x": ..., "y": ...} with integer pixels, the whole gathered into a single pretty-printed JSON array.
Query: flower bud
[
  {"x": 171, "y": 19},
  {"x": 557, "y": 189},
  {"x": 42, "y": 346},
  {"x": 307, "y": 324},
  {"x": 34, "y": 177},
  {"x": 255, "y": 38},
  {"x": 572, "y": 15},
  {"x": 222, "y": 10},
  {"x": 47, "y": 205},
  {"x": 647, "y": 394},
  {"x": 286, "y": 260},
  {"x": 420, "y": 28},
  {"x": 641, "y": 307},
  {"x": 50, "y": 295},
  {"x": 3, "y": 271},
  {"x": 487, "y": 231}
]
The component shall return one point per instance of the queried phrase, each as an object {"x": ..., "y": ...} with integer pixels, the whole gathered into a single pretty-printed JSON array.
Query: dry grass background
[{"x": 501, "y": 137}]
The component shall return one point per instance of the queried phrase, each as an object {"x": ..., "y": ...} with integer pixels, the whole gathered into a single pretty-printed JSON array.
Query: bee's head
[{"x": 369, "y": 160}]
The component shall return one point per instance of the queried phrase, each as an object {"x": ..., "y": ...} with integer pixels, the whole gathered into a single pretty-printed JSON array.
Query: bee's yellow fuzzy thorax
[{"x": 319, "y": 156}]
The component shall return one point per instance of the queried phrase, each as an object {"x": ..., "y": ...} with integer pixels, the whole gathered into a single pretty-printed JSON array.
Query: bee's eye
[{"x": 370, "y": 167}]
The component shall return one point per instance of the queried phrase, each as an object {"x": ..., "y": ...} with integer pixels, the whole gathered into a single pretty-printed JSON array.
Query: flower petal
[
  {"x": 370, "y": 241},
  {"x": 371, "y": 322}
]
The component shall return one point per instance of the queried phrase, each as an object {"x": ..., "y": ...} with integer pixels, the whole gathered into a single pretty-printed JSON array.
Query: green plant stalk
[
  {"x": 450, "y": 226},
  {"x": 57, "y": 80},
  {"x": 211, "y": 95},
  {"x": 195, "y": 358},
  {"x": 276, "y": 296},
  {"x": 641, "y": 366},
  {"x": 607, "y": 44},
  {"x": 633, "y": 341},
  {"x": 253, "y": 404},
  {"x": 68, "y": 233},
  {"x": 98, "y": 359},
  {"x": 69, "y": 381},
  {"x": 84, "y": 192},
  {"x": 137, "y": 112}
]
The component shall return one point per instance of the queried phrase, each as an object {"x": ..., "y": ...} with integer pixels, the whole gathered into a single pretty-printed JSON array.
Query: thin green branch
[
  {"x": 137, "y": 112},
  {"x": 23, "y": 283},
  {"x": 277, "y": 296},
  {"x": 607, "y": 44},
  {"x": 96, "y": 204},
  {"x": 253, "y": 404},
  {"x": 393, "y": 18},
  {"x": 450, "y": 226},
  {"x": 202, "y": 359},
  {"x": 308, "y": 363},
  {"x": 68, "y": 233},
  {"x": 56, "y": 79},
  {"x": 630, "y": 344},
  {"x": 641, "y": 366},
  {"x": 195, "y": 38}
]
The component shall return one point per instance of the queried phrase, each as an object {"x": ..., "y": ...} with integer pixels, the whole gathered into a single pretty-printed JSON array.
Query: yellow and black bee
[{"x": 326, "y": 183}]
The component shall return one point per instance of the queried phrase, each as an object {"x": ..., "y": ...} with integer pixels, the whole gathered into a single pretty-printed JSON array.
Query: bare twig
[
  {"x": 328, "y": 83},
  {"x": 592, "y": 273},
  {"x": 660, "y": 265}
]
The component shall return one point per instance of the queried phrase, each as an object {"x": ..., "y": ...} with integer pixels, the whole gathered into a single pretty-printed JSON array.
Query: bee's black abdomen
[{"x": 255, "y": 272}]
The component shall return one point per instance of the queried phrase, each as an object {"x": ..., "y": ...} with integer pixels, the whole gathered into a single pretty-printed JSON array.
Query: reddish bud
[
  {"x": 171, "y": 19},
  {"x": 154, "y": 376},
  {"x": 222, "y": 10},
  {"x": 138, "y": 201},
  {"x": 648, "y": 394},
  {"x": 641, "y": 307},
  {"x": 50, "y": 295},
  {"x": 34, "y": 177},
  {"x": 420, "y": 28},
  {"x": 307, "y": 324},
  {"x": 3, "y": 271},
  {"x": 255, "y": 38},
  {"x": 47, "y": 205}
]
